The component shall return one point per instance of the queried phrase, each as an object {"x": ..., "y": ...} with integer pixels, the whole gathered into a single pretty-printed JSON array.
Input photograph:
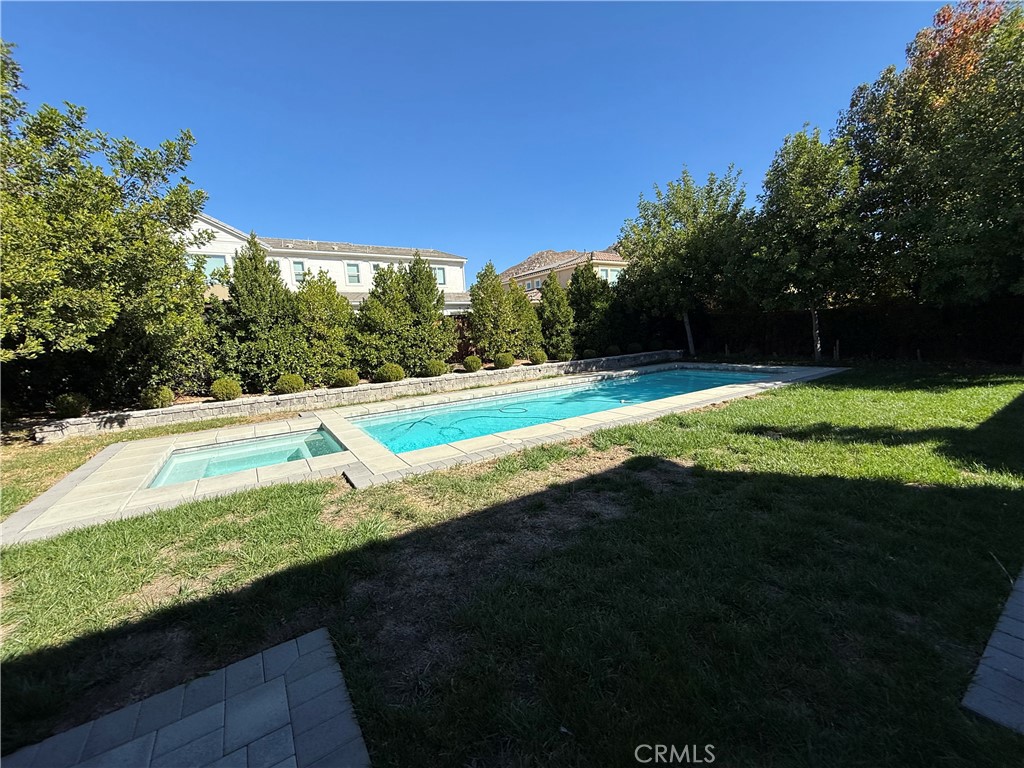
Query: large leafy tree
[
  {"x": 590, "y": 298},
  {"x": 527, "y": 333},
  {"x": 808, "y": 240},
  {"x": 556, "y": 319},
  {"x": 491, "y": 322},
  {"x": 685, "y": 249},
  {"x": 431, "y": 335},
  {"x": 384, "y": 322},
  {"x": 327, "y": 324},
  {"x": 260, "y": 336},
  {"x": 95, "y": 242}
]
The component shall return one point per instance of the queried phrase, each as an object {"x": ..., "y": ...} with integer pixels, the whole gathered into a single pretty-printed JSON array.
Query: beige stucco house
[{"x": 534, "y": 270}]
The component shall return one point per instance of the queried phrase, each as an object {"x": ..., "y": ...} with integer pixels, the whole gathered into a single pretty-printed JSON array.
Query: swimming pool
[
  {"x": 426, "y": 427},
  {"x": 237, "y": 455}
]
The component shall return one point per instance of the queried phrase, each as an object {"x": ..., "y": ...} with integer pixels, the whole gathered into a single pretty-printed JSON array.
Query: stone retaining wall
[{"x": 319, "y": 399}]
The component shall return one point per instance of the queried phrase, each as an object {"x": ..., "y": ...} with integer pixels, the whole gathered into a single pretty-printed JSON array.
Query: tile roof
[
  {"x": 545, "y": 261},
  {"x": 284, "y": 244}
]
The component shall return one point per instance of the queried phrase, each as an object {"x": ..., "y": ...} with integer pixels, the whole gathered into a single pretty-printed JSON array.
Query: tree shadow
[{"x": 785, "y": 618}]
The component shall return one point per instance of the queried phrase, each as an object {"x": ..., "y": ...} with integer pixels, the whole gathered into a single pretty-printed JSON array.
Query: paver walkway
[
  {"x": 286, "y": 706},
  {"x": 997, "y": 691}
]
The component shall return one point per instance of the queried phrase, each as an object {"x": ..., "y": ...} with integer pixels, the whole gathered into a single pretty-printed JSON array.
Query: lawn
[{"x": 803, "y": 578}]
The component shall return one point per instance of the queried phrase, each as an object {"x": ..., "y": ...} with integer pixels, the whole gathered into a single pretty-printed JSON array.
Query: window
[
  {"x": 438, "y": 274},
  {"x": 212, "y": 264},
  {"x": 299, "y": 270},
  {"x": 613, "y": 275},
  {"x": 352, "y": 274},
  {"x": 529, "y": 285},
  {"x": 377, "y": 268},
  {"x": 603, "y": 273}
]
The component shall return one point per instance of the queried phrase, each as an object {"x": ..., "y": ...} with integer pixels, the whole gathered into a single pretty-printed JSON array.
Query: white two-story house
[{"x": 350, "y": 266}]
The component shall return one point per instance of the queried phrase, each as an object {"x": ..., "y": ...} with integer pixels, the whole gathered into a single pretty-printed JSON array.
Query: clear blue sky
[{"x": 487, "y": 130}]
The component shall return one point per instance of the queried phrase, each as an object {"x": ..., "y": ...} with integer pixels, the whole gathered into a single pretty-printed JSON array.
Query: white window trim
[
  {"x": 348, "y": 274},
  {"x": 444, "y": 277}
]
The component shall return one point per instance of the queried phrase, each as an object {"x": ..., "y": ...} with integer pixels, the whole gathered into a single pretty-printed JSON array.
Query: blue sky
[{"x": 488, "y": 130}]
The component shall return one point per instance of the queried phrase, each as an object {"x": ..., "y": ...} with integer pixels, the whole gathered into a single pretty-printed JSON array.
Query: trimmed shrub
[
  {"x": 225, "y": 389},
  {"x": 156, "y": 397},
  {"x": 538, "y": 356},
  {"x": 634, "y": 348},
  {"x": 472, "y": 364},
  {"x": 564, "y": 357},
  {"x": 70, "y": 405},
  {"x": 346, "y": 377},
  {"x": 613, "y": 350},
  {"x": 6, "y": 411},
  {"x": 433, "y": 368},
  {"x": 388, "y": 372},
  {"x": 588, "y": 353},
  {"x": 503, "y": 360},
  {"x": 289, "y": 384}
]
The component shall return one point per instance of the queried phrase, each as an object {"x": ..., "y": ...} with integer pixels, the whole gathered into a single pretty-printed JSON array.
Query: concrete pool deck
[{"x": 114, "y": 483}]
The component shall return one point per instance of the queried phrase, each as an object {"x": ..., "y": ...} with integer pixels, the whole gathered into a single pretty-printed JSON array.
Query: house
[
  {"x": 350, "y": 266},
  {"x": 532, "y": 272}
]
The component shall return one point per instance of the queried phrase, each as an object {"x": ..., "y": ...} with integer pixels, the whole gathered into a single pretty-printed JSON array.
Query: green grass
[
  {"x": 803, "y": 578},
  {"x": 30, "y": 468}
]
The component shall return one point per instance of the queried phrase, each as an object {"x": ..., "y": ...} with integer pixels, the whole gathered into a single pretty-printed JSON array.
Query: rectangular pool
[
  {"x": 237, "y": 455},
  {"x": 435, "y": 425}
]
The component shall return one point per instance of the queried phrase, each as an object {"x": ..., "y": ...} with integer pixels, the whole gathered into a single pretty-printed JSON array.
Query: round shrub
[
  {"x": 503, "y": 360},
  {"x": 225, "y": 389},
  {"x": 156, "y": 397},
  {"x": 538, "y": 356},
  {"x": 613, "y": 350},
  {"x": 71, "y": 405},
  {"x": 346, "y": 377},
  {"x": 289, "y": 384},
  {"x": 434, "y": 368},
  {"x": 472, "y": 364},
  {"x": 587, "y": 353},
  {"x": 388, "y": 372},
  {"x": 634, "y": 348},
  {"x": 564, "y": 357}
]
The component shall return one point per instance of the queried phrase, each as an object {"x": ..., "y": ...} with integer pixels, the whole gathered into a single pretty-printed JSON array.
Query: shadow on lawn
[
  {"x": 997, "y": 443},
  {"x": 785, "y": 619}
]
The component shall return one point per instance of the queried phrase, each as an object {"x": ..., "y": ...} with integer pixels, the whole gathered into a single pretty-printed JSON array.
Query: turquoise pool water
[
  {"x": 224, "y": 458},
  {"x": 426, "y": 427}
]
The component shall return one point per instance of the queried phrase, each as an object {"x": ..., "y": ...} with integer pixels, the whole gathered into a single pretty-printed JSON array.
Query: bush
[
  {"x": 564, "y": 356},
  {"x": 538, "y": 356},
  {"x": 472, "y": 364},
  {"x": 225, "y": 389},
  {"x": 346, "y": 377},
  {"x": 6, "y": 411},
  {"x": 634, "y": 348},
  {"x": 503, "y": 360},
  {"x": 289, "y": 384},
  {"x": 434, "y": 368},
  {"x": 613, "y": 350},
  {"x": 156, "y": 397},
  {"x": 388, "y": 372},
  {"x": 588, "y": 353},
  {"x": 71, "y": 405}
]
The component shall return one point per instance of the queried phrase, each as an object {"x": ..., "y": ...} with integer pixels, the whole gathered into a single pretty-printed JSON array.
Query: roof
[
  {"x": 322, "y": 246},
  {"x": 452, "y": 297},
  {"x": 546, "y": 261}
]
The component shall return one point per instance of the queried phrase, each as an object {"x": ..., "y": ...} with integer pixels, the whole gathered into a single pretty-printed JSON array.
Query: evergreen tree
[
  {"x": 526, "y": 331},
  {"x": 327, "y": 323},
  {"x": 556, "y": 320},
  {"x": 492, "y": 326},
  {"x": 590, "y": 298},
  {"x": 431, "y": 335},
  {"x": 262, "y": 338},
  {"x": 385, "y": 321}
]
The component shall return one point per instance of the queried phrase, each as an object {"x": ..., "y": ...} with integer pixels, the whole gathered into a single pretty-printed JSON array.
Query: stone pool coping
[{"x": 112, "y": 485}]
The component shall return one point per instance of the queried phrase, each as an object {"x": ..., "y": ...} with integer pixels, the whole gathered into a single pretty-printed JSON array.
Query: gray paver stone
[
  {"x": 272, "y": 748},
  {"x": 64, "y": 749},
  {"x": 157, "y": 711},
  {"x": 111, "y": 730},
  {"x": 311, "y": 686},
  {"x": 201, "y": 751},
  {"x": 189, "y": 728},
  {"x": 244, "y": 674},
  {"x": 276, "y": 660},
  {"x": 288, "y": 762},
  {"x": 351, "y": 755},
  {"x": 131, "y": 755},
  {"x": 22, "y": 758},
  {"x": 236, "y": 759},
  {"x": 310, "y": 662},
  {"x": 202, "y": 692},
  {"x": 325, "y": 738},
  {"x": 318, "y": 638},
  {"x": 995, "y": 707},
  {"x": 320, "y": 708},
  {"x": 252, "y": 714}
]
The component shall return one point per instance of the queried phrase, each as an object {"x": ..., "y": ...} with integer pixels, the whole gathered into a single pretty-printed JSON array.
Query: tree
[
  {"x": 491, "y": 321},
  {"x": 556, "y": 320},
  {"x": 431, "y": 335},
  {"x": 95, "y": 242},
  {"x": 327, "y": 323},
  {"x": 685, "y": 247},
  {"x": 590, "y": 298},
  {"x": 385, "y": 321},
  {"x": 261, "y": 338},
  {"x": 526, "y": 330},
  {"x": 807, "y": 257}
]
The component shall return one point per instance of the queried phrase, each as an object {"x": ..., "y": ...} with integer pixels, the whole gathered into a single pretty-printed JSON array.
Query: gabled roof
[{"x": 546, "y": 261}]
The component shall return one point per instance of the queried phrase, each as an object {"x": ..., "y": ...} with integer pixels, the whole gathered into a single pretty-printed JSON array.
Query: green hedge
[
  {"x": 388, "y": 372},
  {"x": 71, "y": 405},
  {"x": 347, "y": 377},
  {"x": 289, "y": 384}
]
